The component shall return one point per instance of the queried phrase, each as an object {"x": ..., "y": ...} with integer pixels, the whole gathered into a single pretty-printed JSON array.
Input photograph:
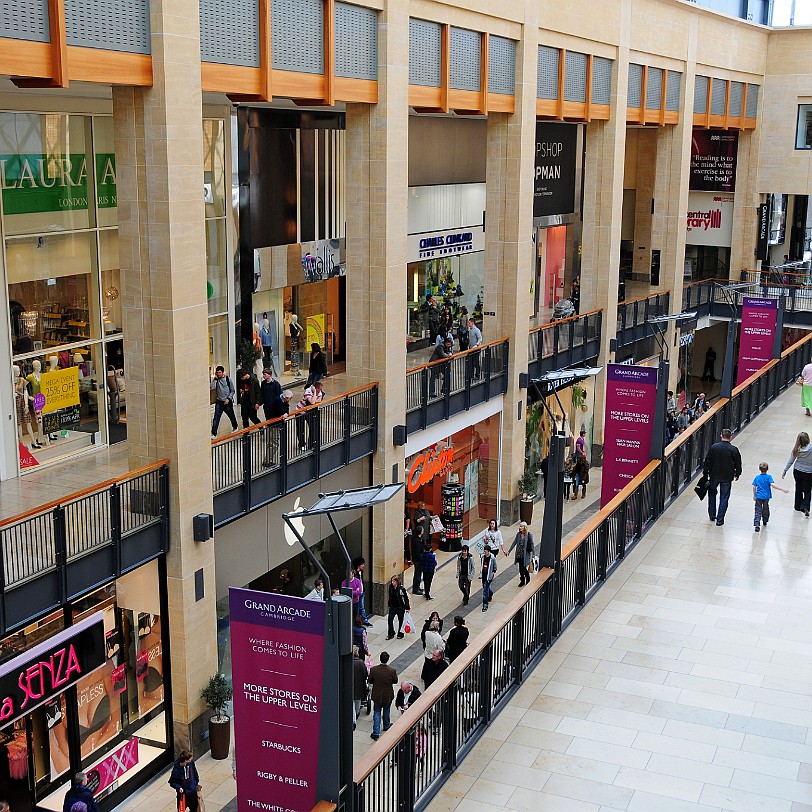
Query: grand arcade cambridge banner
[
  {"x": 277, "y": 654},
  {"x": 631, "y": 400},
  {"x": 759, "y": 319}
]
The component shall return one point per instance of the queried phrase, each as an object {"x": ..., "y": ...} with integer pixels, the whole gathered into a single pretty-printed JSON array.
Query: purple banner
[
  {"x": 277, "y": 654},
  {"x": 757, "y": 337},
  {"x": 713, "y": 161},
  {"x": 631, "y": 399}
]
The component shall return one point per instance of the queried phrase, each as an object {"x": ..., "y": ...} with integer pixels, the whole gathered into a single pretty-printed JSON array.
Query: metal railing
[
  {"x": 58, "y": 550},
  {"x": 440, "y": 389},
  {"x": 256, "y": 465},
  {"x": 565, "y": 342},
  {"x": 405, "y": 769},
  {"x": 633, "y": 314}
]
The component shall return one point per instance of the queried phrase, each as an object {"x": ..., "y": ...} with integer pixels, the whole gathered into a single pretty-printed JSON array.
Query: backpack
[{"x": 79, "y": 806}]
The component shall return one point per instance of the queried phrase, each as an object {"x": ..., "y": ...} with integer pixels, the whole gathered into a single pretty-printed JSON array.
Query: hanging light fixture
[{"x": 29, "y": 320}]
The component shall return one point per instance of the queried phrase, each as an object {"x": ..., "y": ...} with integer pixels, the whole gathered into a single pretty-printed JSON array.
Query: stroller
[{"x": 563, "y": 309}]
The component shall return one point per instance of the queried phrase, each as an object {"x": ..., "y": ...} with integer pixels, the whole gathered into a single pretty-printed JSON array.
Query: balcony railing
[
  {"x": 63, "y": 549},
  {"x": 438, "y": 390},
  {"x": 564, "y": 343},
  {"x": 405, "y": 769},
  {"x": 633, "y": 314},
  {"x": 257, "y": 465}
]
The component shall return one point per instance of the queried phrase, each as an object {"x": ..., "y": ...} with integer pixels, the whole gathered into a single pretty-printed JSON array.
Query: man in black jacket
[
  {"x": 722, "y": 465},
  {"x": 80, "y": 792},
  {"x": 408, "y": 694}
]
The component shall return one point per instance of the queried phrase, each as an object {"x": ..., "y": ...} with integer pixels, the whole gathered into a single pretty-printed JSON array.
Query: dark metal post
[
  {"x": 730, "y": 349},
  {"x": 779, "y": 328},
  {"x": 115, "y": 526},
  {"x": 658, "y": 432},
  {"x": 551, "y": 528}
]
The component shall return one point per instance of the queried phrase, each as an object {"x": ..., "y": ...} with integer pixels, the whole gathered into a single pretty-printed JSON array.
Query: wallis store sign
[
  {"x": 47, "y": 669},
  {"x": 35, "y": 183}
]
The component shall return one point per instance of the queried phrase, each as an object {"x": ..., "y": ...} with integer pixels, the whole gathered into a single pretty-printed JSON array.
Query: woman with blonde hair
[{"x": 801, "y": 459}]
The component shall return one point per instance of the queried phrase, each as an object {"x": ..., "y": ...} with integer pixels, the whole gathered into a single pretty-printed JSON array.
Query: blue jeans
[
  {"x": 724, "y": 498},
  {"x": 376, "y": 717},
  {"x": 361, "y": 609},
  {"x": 219, "y": 408},
  {"x": 487, "y": 592}
]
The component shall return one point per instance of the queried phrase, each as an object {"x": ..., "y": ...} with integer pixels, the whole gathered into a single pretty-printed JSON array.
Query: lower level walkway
[{"x": 685, "y": 684}]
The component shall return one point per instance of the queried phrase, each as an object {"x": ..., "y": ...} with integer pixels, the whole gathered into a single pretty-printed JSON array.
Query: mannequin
[
  {"x": 258, "y": 364},
  {"x": 295, "y": 332},
  {"x": 78, "y": 361},
  {"x": 53, "y": 362},
  {"x": 34, "y": 389},
  {"x": 25, "y": 407}
]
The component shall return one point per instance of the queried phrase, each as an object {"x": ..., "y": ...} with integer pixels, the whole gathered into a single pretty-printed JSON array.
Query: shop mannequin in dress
[
  {"x": 25, "y": 407},
  {"x": 295, "y": 332},
  {"x": 259, "y": 363},
  {"x": 35, "y": 388}
]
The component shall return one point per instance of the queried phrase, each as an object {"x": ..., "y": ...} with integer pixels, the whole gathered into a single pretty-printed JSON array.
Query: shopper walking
[
  {"x": 434, "y": 617},
  {"x": 806, "y": 388},
  {"x": 185, "y": 780},
  {"x": 250, "y": 398},
  {"x": 382, "y": 677},
  {"x": 421, "y": 533},
  {"x": 429, "y": 562},
  {"x": 762, "y": 493},
  {"x": 432, "y": 668},
  {"x": 723, "y": 464},
  {"x": 359, "y": 564},
  {"x": 224, "y": 394},
  {"x": 525, "y": 550},
  {"x": 442, "y": 352},
  {"x": 318, "y": 364},
  {"x": 398, "y": 605},
  {"x": 801, "y": 458},
  {"x": 359, "y": 683},
  {"x": 312, "y": 396},
  {"x": 457, "y": 640},
  {"x": 465, "y": 573},
  {"x": 708, "y": 373},
  {"x": 80, "y": 792},
  {"x": 492, "y": 538},
  {"x": 474, "y": 342},
  {"x": 487, "y": 573},
  {"x": 581, "y": 474},
  {"x": 433, "y": 639}
]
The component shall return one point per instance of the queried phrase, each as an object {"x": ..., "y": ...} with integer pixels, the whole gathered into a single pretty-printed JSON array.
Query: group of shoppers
[{"x": 444, "y": 349}]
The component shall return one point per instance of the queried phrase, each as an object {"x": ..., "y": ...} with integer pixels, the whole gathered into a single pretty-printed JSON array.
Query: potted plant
[
  {"x": 216, "y": 695},
  {"x": 579, "y": 397},
  {"x": 247, "y": 355},
  {"x": 528, "y": 485}
]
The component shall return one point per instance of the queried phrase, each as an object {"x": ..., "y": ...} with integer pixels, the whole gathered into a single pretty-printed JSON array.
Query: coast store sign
[
  {"x": 709, "y": 220},
  {"x": 33, "y": 183},
  {"x": 436, "y": 244}
]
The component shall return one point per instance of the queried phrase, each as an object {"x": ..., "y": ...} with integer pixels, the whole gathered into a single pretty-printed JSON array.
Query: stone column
[
  {"x": 509, "y": 250},
  {"x": 644, "y": 194},
  {"x": 159, "y": 155},
  {"x": 377, "y": 163},
  {"x": 745, "y": 208},
  {"x": 603, "y": 211}
]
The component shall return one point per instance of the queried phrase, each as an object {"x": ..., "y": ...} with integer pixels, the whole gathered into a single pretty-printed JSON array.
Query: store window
[
  {"x": 112, "y": 723},
  {"x": 803, "y": 133}
]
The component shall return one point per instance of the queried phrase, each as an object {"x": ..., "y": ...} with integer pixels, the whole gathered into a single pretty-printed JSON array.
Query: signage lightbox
[
  {"x": 555, "y": 170},
  {"x": 713, "y": 161},
  {"x": 709, "y": 220},
  {"x": 757, "y": 337}
]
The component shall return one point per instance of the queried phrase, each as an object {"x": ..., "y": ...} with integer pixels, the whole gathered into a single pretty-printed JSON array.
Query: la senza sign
[
  {"x": 46, "y": 670},
  {"x": 37, "y": 183},
  {"x": 428, "y": 465}
]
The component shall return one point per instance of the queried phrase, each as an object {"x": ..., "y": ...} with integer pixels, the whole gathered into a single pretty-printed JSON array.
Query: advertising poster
[
  {"x": 709, "y": 220},
  {"x": 631, "y": 400},
  {"x": 60, "y": 388},
  {"x": 314, "y": 331},
  {"x": 555, "y": 169},
  {"x": 713, "y": 161},
  {"x": 759, "y": 318},
  {"x": 277, "y": 651}
]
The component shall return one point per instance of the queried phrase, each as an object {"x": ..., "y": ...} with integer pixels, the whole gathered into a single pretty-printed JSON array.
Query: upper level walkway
[{"x": 684, "y": 684}]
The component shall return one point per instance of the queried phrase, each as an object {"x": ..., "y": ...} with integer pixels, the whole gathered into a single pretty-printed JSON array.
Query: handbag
[
  {"x": 799, "y": 381},
  {"x": 408, "y": 623},
  {"x": 701, "y": 487}
]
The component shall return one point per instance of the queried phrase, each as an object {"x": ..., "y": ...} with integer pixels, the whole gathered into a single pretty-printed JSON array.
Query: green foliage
[
  {"x": 217, "y": 694},
  {"x": 247, "y": 355},
  {"x": 528, "y": 484}
]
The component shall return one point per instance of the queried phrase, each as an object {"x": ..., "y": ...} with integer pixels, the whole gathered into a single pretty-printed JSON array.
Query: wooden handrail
[
  {"x": 557, "y": 322},
  {"x": 274, "y": 420},
  {"x": 757, "y": 374},
  {"x": 694, "y": 427},
  {"x": 643, "y": 298},
  {"x": 793, "y": 347},
  {"x": 705, "y": 281},
  {"x": 367, "y": 763},
  {"x": 456, "y": 355},
  {"x": 72, "y": 497},
  {"x": 325, "y": 806}
]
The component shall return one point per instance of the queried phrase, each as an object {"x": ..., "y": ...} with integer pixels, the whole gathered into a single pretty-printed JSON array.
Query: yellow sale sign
[
  {"x": 315, "y": 330},
  {"x": 60, "y": 388}
]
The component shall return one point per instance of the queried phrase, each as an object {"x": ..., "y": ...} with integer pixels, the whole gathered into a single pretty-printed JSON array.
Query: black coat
[
  {"x": 398, "y": 598},
  {"x": 413, "y": 697},
  {"x": 723, "y": 462},
  {"x": 184, "y": 779},
  {"x": 359, "y": 679},
  {"x": 457, "y": 642},
  {"x": 272, "y": 399},
  {"x": 318, "y": 367},
  {"x": 80, "y": 794}
]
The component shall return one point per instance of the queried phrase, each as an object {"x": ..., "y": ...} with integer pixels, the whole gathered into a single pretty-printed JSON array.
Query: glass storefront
[
  {"x": 112, "y": 723},
  {"x": 473, "y": 464}
]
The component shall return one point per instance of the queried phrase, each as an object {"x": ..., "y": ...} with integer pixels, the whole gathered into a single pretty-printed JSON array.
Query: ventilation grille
[
  {"x": 701, "y": 95},
  {"x": 654, "y": 88},
  {"x": 736, "y": 96},
  {"x": 27, "y": 21},
  {"x": 466, "y": 47},
  {"x": 575, "y": 77},
  {"x": 547, "y": 73},
  {"x": 601, "y": 80},
  {"x": 718, "y": 97},
  {"x": 229, "y": 32},
  {"x": 425, "y": 53},
  {"x": 356, "y": 42},
  {"x": 752, "y": 101},
  {"x": 298, "y": 36},
  {"x": 672, "y": 89},
  {"x": 635, "y": 85},
  {"x": 114, "y": 25},
  {"x": 501, "y": 66}
]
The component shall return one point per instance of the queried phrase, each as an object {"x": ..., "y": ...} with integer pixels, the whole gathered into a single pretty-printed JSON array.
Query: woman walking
[
  {"x": 465, "y": 573},
  {"x": 806, "y": 388},
  {"x": 493, "y": 538},
  {"x": 398, "y": 604},
  {"x": 801, "y": 458}
]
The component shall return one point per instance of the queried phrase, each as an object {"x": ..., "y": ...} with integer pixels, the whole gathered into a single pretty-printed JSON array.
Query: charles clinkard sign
[{"x": 37, "y": 183}]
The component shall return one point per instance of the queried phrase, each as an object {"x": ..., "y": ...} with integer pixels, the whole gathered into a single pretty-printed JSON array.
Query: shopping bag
[
  {"x": 436, "y": 525},
  {"x": 535, "y": 563},
  {"x": 408, "y": 623},
  {"x": 201, "y": 807},
  {"x": 701, "y": 488},
  {"x": 799, "y": 381},
  {"x": 182, "y": 804}
]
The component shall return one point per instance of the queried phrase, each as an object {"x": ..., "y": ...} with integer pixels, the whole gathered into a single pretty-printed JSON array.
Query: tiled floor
[{"x": 685, "y": 684}]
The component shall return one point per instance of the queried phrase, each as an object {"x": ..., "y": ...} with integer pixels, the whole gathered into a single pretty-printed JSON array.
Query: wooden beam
[
  {"x": 743, "y": 116},
  {"x": 445, "y": 66},
  {"x": 59, "y": 43},
  {"x": 329, "y": 51},
  {"x": 465, "y": 102},
  {"x": 643, "y": 94},
  {"x": 109, "y": 67},
  {"x": 427, "y": 99},
  {"x": 727, "y": 103},
  {"x": 562, "y": 68},
  {"x": 483, "y": 72},
  {"x": 663, "y": 94},
  {"x": 590, "y": 60},
  {"x": 301, "y": 87},
  {"x": 356, "y": 90},
  {"x": 235, "y": 80},
  {"x": 501, "y": 103},
  {"x": 19, "y": 58},
  {"x": 265, "y": 49}
]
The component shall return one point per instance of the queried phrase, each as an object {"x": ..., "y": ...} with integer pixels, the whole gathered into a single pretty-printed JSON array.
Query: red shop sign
[{"x": 427, "y": 466}]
